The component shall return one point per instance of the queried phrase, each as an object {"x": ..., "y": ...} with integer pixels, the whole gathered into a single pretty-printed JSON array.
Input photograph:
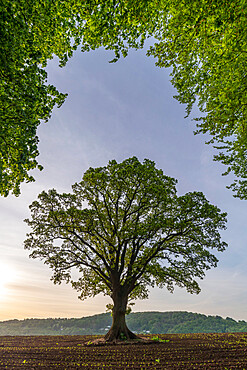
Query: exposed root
[
  {"x": 104, "y": 342},
  {"x": 120, "y": 333}
]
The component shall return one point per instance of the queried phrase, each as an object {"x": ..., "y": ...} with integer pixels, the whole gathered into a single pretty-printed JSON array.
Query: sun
[{"x": 7, "y": 275}]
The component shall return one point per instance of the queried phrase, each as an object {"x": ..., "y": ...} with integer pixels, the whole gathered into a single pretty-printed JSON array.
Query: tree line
[{"x": 139, "y": 322}]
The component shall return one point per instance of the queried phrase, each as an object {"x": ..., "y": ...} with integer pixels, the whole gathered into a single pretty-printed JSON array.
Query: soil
[{"x": 180, "y": 351}]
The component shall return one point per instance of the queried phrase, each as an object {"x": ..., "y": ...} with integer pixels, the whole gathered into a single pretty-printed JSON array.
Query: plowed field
[{"x": 183, "y": 351}]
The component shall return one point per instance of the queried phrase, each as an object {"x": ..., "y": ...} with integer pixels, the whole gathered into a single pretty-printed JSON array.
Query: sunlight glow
[{"x": 7, "y": 275}]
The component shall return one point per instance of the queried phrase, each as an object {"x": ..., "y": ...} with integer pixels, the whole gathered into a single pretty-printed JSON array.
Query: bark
[{"x": 119, "y": 329}]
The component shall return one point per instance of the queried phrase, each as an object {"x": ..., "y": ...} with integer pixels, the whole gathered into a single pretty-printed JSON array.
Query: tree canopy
[
  {"x": 32, "y": 32},
  {"x": 25, "y": 97},
  {"x": 204, "y": 41},
  {"x": 125, "y": 229}
]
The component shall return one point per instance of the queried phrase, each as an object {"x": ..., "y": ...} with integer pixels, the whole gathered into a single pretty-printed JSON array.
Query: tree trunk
[{"x": 119, "y": 328}]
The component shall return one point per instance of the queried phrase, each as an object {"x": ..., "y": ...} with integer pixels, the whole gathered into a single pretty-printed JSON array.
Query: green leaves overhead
[
  {"x": 25, "y": 98},
  {"x": 32, "y": 32},
  {"x": 204, "y": 41},
  {"x": 125, "y": 229}
]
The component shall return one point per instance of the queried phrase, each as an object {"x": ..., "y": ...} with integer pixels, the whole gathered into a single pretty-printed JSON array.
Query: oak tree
[{"x": 124, "y": 229}]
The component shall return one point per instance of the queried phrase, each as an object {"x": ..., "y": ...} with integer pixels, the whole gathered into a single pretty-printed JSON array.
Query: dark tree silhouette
[{"x": 124, "y": 229}]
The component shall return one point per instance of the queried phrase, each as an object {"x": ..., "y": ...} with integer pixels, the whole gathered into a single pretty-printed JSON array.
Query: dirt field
[{"x": 183, "y": 351}]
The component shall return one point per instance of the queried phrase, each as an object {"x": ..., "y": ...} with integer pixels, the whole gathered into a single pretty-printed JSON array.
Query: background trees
[
  {"x": 139, "y": 322},
  {"x": 125, "y": 229}
]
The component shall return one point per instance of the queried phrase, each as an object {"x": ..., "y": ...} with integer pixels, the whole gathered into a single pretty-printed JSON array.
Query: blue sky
[{"x": 115, "y": 111}]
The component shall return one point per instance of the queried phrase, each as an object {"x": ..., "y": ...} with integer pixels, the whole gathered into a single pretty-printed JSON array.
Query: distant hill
[{"x": 139, "y": 322}]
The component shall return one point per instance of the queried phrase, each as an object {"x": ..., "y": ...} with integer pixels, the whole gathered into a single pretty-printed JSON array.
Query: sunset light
[{"x": 7, "y": 275}]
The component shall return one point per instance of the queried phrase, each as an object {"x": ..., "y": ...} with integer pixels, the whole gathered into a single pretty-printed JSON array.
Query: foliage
[
  {"x": 25, "y": 98},
  {"x": 32, "y": 32},
  {"x": 183, "y": 322},
  {"x": 208, "y": 60},
  {"x": 125, "y": 229},
  {"x": 205, "y": 44},
  {"x": 156, "y": 338},
  {"x": 203, "y": 41}
]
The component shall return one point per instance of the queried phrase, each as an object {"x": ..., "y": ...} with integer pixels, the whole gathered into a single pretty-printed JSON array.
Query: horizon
[{"x": 103, "y": 313}]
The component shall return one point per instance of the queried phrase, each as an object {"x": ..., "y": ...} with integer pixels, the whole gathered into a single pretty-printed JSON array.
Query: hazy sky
[{"x": 115, "y": 111}]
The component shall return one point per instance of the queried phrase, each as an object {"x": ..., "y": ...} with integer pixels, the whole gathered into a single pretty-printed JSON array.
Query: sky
[{"x": 116, "y": 111}]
